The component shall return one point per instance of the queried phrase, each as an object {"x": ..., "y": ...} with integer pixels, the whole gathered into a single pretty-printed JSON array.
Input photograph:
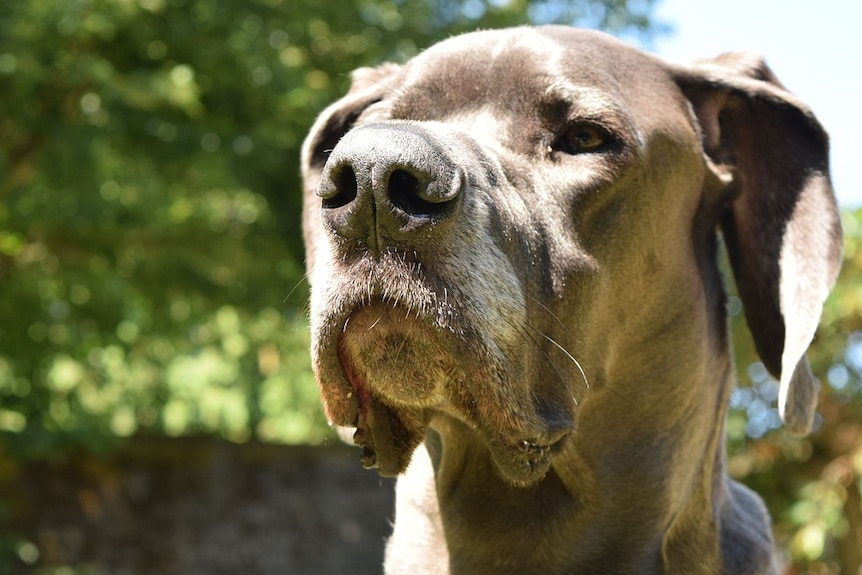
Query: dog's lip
[
  {"x": 532, "y": 447},
  {"x": 387, "y": 434},
  {"x": 387, "y": 438},
  {"x": 526, "y": 461}
]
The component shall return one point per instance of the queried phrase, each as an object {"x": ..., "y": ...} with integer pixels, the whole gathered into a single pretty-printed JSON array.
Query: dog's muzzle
[{"x": 396, "y": 337}]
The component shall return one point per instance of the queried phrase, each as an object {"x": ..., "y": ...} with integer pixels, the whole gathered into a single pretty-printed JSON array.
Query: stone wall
[{"x": 198, "y": 507}]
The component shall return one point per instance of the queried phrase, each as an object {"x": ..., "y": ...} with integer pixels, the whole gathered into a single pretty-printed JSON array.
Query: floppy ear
[
  {"x": 781, "y": 224},
  {"x": 368, "y": 86}
]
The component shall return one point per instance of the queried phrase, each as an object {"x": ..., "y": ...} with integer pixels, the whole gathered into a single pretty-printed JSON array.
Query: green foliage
[{"x": 151, "y": 275}]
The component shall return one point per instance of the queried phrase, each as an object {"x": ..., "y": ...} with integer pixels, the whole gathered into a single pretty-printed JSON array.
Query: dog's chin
[
  {"x": 395, "y": 355},
  {"x": 399, "y": 370}
]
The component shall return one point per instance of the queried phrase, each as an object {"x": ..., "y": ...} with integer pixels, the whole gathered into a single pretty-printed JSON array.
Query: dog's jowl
[{"x": 512, "y": 243}]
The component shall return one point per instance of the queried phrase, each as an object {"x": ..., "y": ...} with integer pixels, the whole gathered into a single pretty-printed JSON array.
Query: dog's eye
[{"x": 582, "y": 138}]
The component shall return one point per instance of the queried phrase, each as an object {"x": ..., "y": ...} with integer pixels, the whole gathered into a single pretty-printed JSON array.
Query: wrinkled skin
[{"x": 511, "y": 242}]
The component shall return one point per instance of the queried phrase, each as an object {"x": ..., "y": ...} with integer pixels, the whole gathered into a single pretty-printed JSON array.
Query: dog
[{"x": 513, "y": 245}]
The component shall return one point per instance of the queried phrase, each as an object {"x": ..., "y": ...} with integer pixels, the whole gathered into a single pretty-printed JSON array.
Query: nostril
[
  {"x": 403, "y": 191},
  {"x": 418, "y": 195},
  {"x": 403, "y": 183},
  {"x": 343, "y": 189}
]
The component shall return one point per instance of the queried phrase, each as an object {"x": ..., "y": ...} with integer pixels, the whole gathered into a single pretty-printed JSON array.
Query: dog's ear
[
  {"x": 368, "y": 86},
  {"x": 781, "y": 223}
]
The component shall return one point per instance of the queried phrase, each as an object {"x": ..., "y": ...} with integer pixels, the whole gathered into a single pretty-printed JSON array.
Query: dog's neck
[
  {"x": 640, "y": 486},
  {"x": 604, "y": 492}
]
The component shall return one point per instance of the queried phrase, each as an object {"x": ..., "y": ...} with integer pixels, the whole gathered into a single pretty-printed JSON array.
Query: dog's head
[{"x": 514, "y": 220}]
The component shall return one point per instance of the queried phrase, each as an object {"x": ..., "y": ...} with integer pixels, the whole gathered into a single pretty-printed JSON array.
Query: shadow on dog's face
[{"x": 517, "y": 222}]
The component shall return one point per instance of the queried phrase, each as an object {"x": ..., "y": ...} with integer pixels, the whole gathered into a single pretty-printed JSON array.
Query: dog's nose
[{"x": 390, "y": 183}]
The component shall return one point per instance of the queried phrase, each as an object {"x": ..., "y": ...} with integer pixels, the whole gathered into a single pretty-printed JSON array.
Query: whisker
[
  {"x": 295, "y": 287},
  {"x": 551, "y": 340},
  {"x": 549, "y": 311},
  {"x": 400, "y": 348},
  {"x": 570, "y": 356},
  {"x": 550, "y": 361}
]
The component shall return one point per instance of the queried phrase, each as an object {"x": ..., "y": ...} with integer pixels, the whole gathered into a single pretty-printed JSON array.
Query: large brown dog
[{"x": 512, "y": 246}]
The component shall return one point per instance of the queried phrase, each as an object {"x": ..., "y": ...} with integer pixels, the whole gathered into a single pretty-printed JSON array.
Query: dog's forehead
[
  {"x": 517, "y": 68},
  {"x": 554, "y": 48}
]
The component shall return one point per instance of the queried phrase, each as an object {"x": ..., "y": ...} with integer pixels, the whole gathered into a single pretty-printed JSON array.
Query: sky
[{"x": 814, "y": 48}]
